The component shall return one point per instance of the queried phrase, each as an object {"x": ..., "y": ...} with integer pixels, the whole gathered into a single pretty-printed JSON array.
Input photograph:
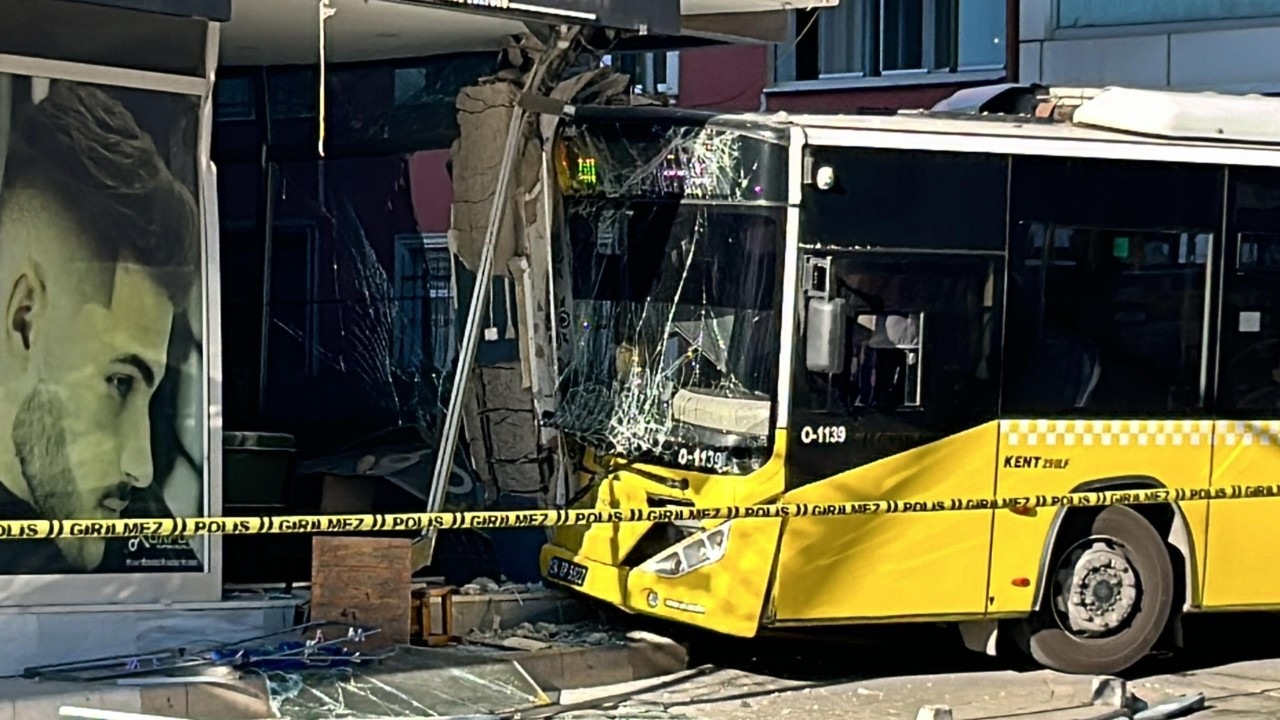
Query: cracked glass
[{"x": 671, "y": 330}]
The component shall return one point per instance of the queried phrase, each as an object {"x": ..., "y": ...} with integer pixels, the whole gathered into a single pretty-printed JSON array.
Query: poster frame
[{"x": 26, "y": 593}]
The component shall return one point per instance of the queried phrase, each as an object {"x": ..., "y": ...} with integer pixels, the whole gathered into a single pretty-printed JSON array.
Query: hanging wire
[{"x": 326, "y": 12}]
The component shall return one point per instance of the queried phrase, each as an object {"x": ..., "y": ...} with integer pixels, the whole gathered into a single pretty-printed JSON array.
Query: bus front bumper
[{"x": 725, "y": 597}]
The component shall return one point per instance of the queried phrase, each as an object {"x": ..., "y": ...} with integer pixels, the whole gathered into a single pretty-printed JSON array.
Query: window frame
[
  {"x": 405, "y": 247},
  {"x": 310, "y": 234},
  {"x": 654, "y": 72},
  {"x": 786, "y": 61}
]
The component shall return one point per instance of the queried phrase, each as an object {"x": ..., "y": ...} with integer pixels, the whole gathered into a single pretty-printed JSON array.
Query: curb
[
  {"x": 643, "y": 658},
  {"x": 554, "y": 670}
]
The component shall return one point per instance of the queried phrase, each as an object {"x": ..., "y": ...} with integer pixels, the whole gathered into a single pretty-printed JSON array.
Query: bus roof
[
  {"x": 1111, "y": 122},
  {"x": 1111, "y": 114}
]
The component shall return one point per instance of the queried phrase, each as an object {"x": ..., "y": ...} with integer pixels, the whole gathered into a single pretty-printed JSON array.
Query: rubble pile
[
  {"x": 540, "y": 636},
  {"x": 486, "y": 586}
]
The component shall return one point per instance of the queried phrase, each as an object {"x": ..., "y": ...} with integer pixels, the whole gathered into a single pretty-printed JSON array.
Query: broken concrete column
[{"x": 503, "y": 431}]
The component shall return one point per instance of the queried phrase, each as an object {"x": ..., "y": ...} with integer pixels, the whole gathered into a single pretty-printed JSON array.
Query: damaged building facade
[
  {"x": 107, "y": 216},
  {"x": 280, "y": 264}
]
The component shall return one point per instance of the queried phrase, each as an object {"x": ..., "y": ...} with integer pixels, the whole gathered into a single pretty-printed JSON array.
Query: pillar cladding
[
  {"x": 504, "y": 434},
  {"x": 506, "y": 396}
]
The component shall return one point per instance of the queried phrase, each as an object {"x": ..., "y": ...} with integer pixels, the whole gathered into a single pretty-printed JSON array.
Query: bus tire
[{"x": 1109, "y": 592}]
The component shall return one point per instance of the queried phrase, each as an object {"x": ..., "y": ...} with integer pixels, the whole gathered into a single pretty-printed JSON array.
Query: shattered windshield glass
[{"x": 672, "y": 345}]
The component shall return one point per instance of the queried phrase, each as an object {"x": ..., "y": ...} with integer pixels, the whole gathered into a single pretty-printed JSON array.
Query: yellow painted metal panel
[
  {"x": 893, "y": 565},
  {"x": 1243, "y": 564},
  {"x": 726, "y": 597},
  {"x": 626, "y": 485},
  {"x": 1054, "y": 456}
]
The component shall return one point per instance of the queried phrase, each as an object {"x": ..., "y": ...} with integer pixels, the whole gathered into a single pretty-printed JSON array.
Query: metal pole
[{"x": 425, "y": 544}]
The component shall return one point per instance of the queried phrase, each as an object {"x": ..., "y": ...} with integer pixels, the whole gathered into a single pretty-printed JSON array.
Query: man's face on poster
[{"x": 87, "y": 344}]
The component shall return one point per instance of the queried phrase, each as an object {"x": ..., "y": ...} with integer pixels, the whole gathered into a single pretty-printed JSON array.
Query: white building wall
[{"x": 1229, "y": 55}]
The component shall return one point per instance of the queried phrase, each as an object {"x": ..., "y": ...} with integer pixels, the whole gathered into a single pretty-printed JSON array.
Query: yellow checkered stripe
[
  {"x": 1107, "y": 433},
  {"x": 1233, "y": 433},
  {"x": 1139, "y": 433}
]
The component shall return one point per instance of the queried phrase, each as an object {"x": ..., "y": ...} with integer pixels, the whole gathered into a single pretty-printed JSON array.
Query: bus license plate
[{"x": 569, "y": 573}]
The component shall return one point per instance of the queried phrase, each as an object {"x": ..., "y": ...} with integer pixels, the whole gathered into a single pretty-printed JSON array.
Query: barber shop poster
[{"x": 101, "y": 397}]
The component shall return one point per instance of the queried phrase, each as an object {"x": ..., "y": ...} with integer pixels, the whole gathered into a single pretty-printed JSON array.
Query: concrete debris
[
  {"x": 525, "y": 635},
  {"x": 1114, "y": 692},
  {"x": 934, "y": 712},
  {"x": 479, "y": 586},
  {"x": 487, "y": 586},
  {"x": 1177, "y": 707},
  {"x": 524, "y": 644},
  {"x": 1111, "y": 692}
]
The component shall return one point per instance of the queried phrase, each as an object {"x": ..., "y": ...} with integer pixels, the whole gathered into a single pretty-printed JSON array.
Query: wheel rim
[{"x": 1097, "y": 589}]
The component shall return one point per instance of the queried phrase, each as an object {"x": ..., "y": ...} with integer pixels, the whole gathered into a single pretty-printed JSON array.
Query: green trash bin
[
  {"x": 257, "y": 475},
  {"x": 256, "y": 469}
]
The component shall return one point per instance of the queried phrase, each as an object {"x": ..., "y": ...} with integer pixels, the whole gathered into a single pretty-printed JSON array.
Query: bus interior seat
[{"x": 1092, "y": 372}]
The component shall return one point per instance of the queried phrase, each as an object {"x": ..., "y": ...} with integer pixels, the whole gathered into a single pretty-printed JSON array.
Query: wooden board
[{"x": 363, "y": 581}]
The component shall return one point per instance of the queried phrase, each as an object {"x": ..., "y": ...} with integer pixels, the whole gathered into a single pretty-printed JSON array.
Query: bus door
[
  {"x": 1106, "y": 361},
  {"x": 895, "y": 385},
  {"x": 1244, "y": 535}
]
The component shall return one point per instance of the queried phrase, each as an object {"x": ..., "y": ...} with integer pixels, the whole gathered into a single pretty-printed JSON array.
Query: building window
[
  {"x": 652, "y": 73},
  {"x": 293, "y": 93},
  {"x": 424, "y": 299},
  {"x": 869, "y": 38},
  {"x": 233, "y": 98},
  {"x": 293, "y": 303}
]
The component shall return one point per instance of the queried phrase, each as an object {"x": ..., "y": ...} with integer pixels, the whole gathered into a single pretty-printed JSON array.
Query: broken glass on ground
[{"x": 414, "y": 683}]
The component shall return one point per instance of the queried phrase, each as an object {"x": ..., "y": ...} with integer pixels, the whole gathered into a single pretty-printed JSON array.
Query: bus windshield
[
  {"x": 673, "y": 337},
  {"x": 670, "y": 272},
  {"x": 674, "y": 332}
]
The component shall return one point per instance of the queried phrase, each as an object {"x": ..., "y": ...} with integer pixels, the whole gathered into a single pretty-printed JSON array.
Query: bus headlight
[{"x": 696, "y": 552}]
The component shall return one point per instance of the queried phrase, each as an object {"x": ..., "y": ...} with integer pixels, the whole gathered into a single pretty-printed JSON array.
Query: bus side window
[
  {"x": 1249, "y": 373},
  {"x": 1106, "y": 321},
  {"x": 1108, "y": 275},
  {"x": 917, "y": 361}
]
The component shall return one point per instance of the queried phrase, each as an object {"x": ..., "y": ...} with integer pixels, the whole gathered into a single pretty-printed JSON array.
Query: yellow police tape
[
  {"x": 416, "y": 522},
  {"x": 411, "y": 522}
]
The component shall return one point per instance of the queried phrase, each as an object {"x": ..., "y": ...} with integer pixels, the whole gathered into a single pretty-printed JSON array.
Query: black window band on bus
[
  {"x": 906, "y": 199},
  {"x": 1108, "y": 292}
]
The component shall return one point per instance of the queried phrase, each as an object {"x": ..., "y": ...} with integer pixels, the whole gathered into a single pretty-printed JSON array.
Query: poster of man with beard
[{"x": 99, "y": 265}]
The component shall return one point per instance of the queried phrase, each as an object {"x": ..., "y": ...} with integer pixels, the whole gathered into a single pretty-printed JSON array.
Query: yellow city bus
[{"x": 817, "y": 309}]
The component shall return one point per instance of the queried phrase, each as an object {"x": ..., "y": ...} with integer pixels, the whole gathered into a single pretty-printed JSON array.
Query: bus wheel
[{"x": 1109, "y": 597}]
